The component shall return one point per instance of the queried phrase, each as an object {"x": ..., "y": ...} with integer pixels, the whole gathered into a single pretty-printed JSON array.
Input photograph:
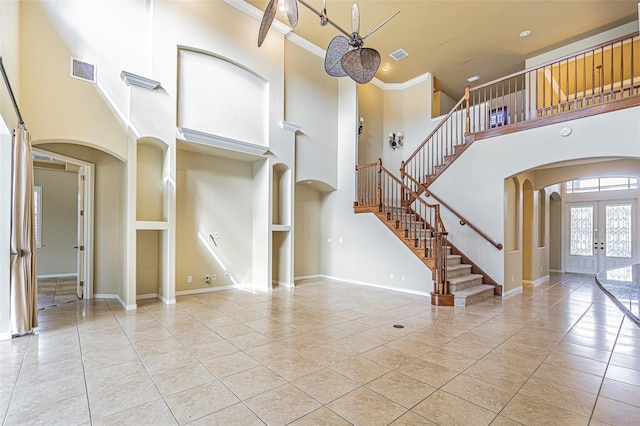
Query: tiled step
[
  {"x": 464, "y": 281},
  {"x": 473, "y": 295}
]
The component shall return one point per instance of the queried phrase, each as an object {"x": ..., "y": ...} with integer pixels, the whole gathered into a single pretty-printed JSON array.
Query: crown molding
[
  {"x": 256, "y": 13},
  {"x": 409, "y": 83},
  {"x": 139, "y": 81},
  {"x": 306, "y": 44}
]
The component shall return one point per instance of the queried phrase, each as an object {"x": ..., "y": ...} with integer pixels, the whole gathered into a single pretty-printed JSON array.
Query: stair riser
[
  {"x": 465, "y": 285},
  {"x": 459, "y": 272},
  {"x": 465, "y": 301}
]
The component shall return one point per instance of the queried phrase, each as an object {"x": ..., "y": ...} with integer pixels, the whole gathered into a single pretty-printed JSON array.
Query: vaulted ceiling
[{"x": 455, "y": 40}]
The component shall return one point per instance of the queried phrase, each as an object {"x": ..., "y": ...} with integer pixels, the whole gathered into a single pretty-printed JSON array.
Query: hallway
[{"x": 327, "y": 353}]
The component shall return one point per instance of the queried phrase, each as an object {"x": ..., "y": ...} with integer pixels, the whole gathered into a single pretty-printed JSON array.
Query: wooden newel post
[
  {"x": 379, "y": 184},
  {"x": 440, "y": 295}
]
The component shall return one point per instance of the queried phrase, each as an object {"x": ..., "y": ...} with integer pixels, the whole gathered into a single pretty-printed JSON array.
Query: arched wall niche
[{"x": 221, "y": 97}]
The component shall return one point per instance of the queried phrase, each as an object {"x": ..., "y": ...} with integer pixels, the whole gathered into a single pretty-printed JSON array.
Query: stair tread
[
  {"x": 471, "y": 291},
  {"x": 464, "y": 278},
  {"x": 456, "y": 267}
]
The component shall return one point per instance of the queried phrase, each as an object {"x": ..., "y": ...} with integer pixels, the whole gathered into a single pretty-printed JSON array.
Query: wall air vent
[
  {"x": 399, "y": 54},
  {"x": 83, "y": 70}
]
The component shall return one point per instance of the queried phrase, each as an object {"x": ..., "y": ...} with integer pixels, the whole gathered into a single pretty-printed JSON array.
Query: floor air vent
[{"x": 83, "y": 70}]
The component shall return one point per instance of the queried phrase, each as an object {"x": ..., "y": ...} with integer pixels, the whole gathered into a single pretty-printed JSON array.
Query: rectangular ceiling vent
[
  {"x": 83, "y": 70},
  {"x": 399, "y": 54}
]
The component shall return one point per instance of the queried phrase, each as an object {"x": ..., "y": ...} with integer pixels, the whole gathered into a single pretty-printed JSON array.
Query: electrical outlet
[
  {"x": 391, "y": 276},
  {"x": 403, "y": 278},
  {"x": 226, "y": 275},
  {"x": 189, "y": 278},
  {"x": 213, "y": 276}
]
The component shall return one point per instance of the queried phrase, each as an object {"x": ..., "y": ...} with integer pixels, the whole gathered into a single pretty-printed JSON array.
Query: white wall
[
  {"x": 359, "y": 248},
  {"x": 488, "y": 162}
]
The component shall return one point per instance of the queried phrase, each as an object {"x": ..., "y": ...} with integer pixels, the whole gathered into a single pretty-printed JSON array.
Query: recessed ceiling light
[
  {"x": 385, "y": 67},
  {"x": 474, "y": 78},
  {"x": 525, "y": 33}
]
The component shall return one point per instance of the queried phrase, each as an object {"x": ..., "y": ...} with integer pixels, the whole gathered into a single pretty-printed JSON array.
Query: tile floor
[
  {"x": 56, "y": 291},
  {"x": 327, "y": 353}
]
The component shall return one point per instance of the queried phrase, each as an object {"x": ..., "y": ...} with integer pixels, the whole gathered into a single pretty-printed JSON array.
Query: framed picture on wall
[{"x": 498, "y": 117}]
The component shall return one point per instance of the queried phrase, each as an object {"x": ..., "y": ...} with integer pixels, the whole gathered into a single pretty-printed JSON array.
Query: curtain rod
[{"x": 13, "y": 99}]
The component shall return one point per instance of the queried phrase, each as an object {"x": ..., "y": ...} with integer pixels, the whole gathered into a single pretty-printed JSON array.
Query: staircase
[
  {"x": 417, "y": 224},
  {"x": 532, "y": 98}
]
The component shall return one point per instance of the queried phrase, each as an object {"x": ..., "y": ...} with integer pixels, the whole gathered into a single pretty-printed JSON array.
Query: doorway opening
[{"x": 64, "y": 227}]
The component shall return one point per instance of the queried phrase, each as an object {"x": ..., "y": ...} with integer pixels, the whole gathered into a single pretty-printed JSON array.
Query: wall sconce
[
  {"x": 395, "y": 140},
  {"x": 361, "y": 126}
]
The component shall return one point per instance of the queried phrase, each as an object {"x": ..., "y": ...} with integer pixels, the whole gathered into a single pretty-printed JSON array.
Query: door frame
[{"x": 89, "y": 169}]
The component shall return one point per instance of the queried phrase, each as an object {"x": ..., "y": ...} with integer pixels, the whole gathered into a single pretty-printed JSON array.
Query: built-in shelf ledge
[
  {"x": 139, "y": 81},
  {"x": 280, "y": 228},
  {"x": 286, "y": 125},
  {"x": 152, "y": 225},
  {"x": 216, "y": 141}
]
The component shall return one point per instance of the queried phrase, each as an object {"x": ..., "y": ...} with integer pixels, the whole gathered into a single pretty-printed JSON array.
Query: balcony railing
[{"x": 595, "y": 80}]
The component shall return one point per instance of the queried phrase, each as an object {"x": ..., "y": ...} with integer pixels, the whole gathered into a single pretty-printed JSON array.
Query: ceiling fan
[{"x": 346, "y": 54}]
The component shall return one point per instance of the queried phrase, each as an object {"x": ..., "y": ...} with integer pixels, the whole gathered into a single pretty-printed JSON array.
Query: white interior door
[
  {"x": 80, "y": 247},
  {"x": 599, "y": 236}
]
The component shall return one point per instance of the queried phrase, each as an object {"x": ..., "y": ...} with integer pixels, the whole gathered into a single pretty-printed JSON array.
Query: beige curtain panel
[{"x": 24, "y": 285}]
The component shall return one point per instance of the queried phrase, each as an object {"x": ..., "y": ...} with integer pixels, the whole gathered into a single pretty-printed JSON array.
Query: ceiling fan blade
[
  {"x": 380, "y": 26},
  {"x": 355, "y": 18},
  {"x": 267, "y": 19},
  {"x": 292, "y": 11},
  {"x": 338, "y": 47},
  {"x": 361, "y": 64}
]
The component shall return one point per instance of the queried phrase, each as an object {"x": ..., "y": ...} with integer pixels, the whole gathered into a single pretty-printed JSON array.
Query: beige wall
[
  {"x": 109, "y": 215},
  {"x": 370, "y": 107},
  {"x": 307, "y": 231},
  {"x": 213, "y": 195},
  {"x": 147, "y": 262},
  {"x": 59, "y": 222}
]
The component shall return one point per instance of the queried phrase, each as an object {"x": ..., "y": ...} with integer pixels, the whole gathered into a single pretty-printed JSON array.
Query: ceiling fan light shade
[
  {"x": 361, "y": 64},
  {"x": 332, "y": 60},
  {"x": 292, "y": 12},
  {"x": 267, "y": 20}
]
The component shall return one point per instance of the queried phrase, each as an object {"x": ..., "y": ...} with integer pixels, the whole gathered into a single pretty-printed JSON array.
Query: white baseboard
[
  {"x": 167, "y": 301},
  {"x": 69, "y": 274},
  {"x": 539, "y": 281},
  {"x": 308, "y": 277},
  {"x": 204, "y": 290},
  {"x": 400, "y": 290},
  {"x": 283, "y": 284},
  {"x": 147, "y": 296},
  {"x": 557, "y": 271},
  {"x": 511, "y": 292},
  {"x": 118, "y": 298},
  {"x": 5, "y": 336}
]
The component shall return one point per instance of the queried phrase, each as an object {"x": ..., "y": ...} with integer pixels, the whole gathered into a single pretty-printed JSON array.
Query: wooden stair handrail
[{"x": 464, "y": 221}]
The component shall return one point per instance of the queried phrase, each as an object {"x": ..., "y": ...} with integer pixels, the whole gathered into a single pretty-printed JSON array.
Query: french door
[{"x": 599, "y": 236}]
